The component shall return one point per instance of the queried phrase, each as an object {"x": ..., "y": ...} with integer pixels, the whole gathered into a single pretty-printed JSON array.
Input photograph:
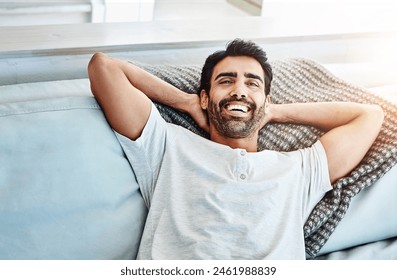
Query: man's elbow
[
  {"x": 373, "y": 122},
  {"x": 95, "y": 69},
  {"x": 377, "y": 116},
  {"x": 97, "y": 61}
]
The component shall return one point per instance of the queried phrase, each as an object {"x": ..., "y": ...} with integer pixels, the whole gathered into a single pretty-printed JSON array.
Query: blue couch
[{"x": 67, "y": 191}]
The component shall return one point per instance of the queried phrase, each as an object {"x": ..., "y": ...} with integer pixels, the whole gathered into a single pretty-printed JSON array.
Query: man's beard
[{"x": 233, "y": 126}]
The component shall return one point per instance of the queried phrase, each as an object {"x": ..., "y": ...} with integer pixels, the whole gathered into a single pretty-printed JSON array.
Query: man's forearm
[
  {"x": 324, "y": 115},
  {"x": 155, "y": 88},
  {"x": 162, "y": 92}
]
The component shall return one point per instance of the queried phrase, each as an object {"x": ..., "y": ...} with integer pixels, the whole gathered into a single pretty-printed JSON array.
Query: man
[{"x": 221, "y": 198}]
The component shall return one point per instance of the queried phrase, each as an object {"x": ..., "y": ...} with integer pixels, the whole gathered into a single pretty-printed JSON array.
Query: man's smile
[{"x": 237, "y": 107}]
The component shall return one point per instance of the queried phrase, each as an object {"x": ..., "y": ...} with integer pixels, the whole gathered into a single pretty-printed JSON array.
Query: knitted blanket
[{"x": 303, "y": 80}]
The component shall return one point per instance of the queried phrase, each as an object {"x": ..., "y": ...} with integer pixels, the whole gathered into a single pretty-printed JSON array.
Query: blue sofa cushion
[{"x": 67, "y": 190}]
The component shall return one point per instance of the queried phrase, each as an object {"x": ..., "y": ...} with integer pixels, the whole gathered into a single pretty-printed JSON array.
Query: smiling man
[{"x": 220, "y": 198}]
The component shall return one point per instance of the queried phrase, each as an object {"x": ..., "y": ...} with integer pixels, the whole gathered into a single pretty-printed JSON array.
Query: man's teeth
[{"x": 241, "y": 108}]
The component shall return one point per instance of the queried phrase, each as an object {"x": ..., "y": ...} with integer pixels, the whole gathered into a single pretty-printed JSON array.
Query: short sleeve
[
  {"x": 315, "y": 170},
  {"x": 145, "y": 154}
]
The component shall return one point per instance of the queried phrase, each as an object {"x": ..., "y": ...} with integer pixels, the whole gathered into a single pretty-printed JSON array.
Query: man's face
[{"x": 236, "y": 100}]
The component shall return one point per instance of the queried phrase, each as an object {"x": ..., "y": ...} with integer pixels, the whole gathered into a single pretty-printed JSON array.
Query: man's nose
[{"x": 238, "y": 92}]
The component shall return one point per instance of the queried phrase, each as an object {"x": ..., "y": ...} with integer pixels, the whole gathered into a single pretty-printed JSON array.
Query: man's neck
[{"x": 250, "y": 144}]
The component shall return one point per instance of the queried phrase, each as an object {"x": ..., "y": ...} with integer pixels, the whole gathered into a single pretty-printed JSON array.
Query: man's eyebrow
[
  {"x": 226, "y": 74},
  {"x": 253, "y": 76}
]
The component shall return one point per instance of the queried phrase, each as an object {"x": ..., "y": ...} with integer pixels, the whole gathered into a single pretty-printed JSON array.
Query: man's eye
[
  {"x": 253, "y": 84},
  {"x": 225, "y": 82}
]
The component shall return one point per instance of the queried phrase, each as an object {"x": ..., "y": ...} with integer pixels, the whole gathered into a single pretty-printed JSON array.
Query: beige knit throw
[{"x": 304, "y": 80}]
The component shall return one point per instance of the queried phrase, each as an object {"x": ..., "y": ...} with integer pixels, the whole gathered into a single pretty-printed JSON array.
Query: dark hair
[{"x": 237, "y": 47}]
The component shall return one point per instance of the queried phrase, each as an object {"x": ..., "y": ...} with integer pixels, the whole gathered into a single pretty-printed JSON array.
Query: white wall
[
  {"x": 36, "y": 12},
  {"x": 129, "y": 10},
  {"x": 366, "y": 29},
  {"x": 324, "y": 15},
  {"x": 39, "y": 12}
]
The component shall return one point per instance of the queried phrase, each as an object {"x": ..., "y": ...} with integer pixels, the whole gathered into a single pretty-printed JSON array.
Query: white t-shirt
[{"x": 209, "y": 201}]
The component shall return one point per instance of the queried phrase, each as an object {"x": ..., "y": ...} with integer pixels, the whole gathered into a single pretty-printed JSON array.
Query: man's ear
[
  {"x": 268, "y": 101},
  {"x": 203, "y": 99}
]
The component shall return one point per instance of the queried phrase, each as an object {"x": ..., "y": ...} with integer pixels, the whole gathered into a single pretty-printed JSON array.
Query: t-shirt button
[
  {"x": 243, "y": 176},
  {"x": 243, "y": 153}
]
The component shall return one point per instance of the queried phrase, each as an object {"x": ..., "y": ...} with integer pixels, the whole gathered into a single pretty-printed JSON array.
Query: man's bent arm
[
  {"x": 351, "y": 129},
  {"x": 124, "y": 91}
]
